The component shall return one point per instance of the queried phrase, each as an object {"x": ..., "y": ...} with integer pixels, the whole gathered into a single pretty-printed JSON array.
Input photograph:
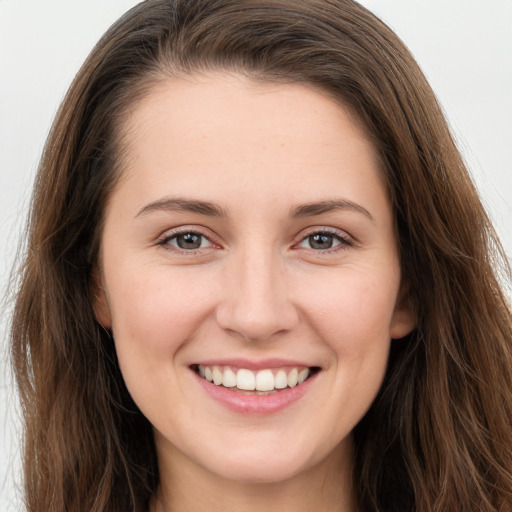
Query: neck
[{"x": 326, "y": 486}]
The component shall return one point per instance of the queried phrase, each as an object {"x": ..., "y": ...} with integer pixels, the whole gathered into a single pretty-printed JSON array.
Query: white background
[{"x": 464, "y": 47}]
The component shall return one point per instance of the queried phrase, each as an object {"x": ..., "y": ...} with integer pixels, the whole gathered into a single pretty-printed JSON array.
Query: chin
[
  {"x": 268, "y": 471},
  {"x": 261, "y": 465}
]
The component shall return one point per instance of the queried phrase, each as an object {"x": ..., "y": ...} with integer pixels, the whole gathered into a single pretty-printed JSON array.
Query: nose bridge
[{"x": 257, "y": 304}]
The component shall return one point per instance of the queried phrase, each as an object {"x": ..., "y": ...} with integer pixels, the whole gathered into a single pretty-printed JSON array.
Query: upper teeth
[{"x": 247, "y": 380}]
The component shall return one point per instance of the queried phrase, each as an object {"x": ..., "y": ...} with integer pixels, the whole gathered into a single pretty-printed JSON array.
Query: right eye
[{"x": 187, "y": 241}]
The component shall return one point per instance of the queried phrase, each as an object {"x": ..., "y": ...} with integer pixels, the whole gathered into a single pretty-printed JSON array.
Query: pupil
[
  {"x": 320, "y": 241},
  {"x": 189, "y": 241}
]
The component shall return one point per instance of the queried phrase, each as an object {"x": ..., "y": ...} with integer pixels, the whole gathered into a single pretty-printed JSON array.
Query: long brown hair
[{"x": 439, "y": 435}]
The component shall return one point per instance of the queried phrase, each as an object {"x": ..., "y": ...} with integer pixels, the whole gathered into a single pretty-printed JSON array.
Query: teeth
[
  {"x": 281, "y": 380},
  {"x": 217, "y": 376},
  {"x": 303, "y": 375},
  {"x": 293, "y": 377},
  {"x": 247, "y": 380},
  {"x": 265, "y": 380},
  {"x": 229, "y": 378}
]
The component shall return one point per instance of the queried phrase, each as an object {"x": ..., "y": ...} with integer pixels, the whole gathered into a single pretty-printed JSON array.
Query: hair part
[{"x": 439, "y": 435}]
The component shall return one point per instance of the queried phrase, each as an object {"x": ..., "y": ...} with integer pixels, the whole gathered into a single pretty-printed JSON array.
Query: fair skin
[{"x": 251, "y": 231}]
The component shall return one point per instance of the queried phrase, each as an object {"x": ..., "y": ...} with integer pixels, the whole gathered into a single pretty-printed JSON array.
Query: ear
[
  {"x": 404, "y": 319},
  {"x": 100, "y": 303}
]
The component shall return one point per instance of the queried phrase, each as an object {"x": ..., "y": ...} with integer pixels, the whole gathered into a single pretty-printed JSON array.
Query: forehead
[{"x": 226, "y": 131}]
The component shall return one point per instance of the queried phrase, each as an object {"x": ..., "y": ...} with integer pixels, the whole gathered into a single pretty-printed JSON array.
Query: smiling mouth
[{"x": 262, "y": 382}]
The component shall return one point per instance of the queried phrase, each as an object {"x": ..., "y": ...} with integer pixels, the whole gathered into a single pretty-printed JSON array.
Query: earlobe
[
  {"x": 404, "y": 319},
  {"x": 100, "y": 303}
]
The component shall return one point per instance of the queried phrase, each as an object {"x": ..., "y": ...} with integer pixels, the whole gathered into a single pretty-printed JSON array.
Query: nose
[{"x": 257, "y": 302}]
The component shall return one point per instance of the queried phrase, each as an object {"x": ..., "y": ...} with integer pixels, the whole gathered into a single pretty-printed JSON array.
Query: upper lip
[{"x": 251, "y": 364}]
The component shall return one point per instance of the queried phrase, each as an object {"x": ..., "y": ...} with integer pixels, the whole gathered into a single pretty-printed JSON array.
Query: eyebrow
[
  {"x": 318, "y": 208},
  {"x": 213, "y": 210},
  {"x": 184, "y": 205}
]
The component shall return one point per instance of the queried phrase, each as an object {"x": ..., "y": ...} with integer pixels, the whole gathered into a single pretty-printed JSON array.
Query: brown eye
[
  {"x": 188, "y": 241},
  {"x": 321, "y": 241}
]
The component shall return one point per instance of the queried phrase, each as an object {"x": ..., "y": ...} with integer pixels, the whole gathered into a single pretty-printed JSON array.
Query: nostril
[{"x": 255, "y": 316}]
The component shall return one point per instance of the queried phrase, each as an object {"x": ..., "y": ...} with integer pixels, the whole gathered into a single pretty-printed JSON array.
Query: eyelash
[
  {"x": 164, "y": 241},
  {"x": 343, "y": 239}
]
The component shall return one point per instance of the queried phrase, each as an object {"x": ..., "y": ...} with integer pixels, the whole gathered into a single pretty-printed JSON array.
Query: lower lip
[{"x": 242, "y": 403}]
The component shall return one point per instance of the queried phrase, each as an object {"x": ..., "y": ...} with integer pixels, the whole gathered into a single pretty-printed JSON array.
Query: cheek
[
  {"x": 154, "y": 313},
  {"x": 354, "y": 312},
  {"x": 353, "y": 317}
]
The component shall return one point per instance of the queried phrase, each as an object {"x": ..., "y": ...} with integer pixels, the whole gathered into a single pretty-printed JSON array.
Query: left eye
[
  {"x": 188, "y": 241},
  {"x": 321, "y": 241}
]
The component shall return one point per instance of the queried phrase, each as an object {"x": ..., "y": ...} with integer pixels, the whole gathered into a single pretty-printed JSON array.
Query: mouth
[{"x": 265, "y": 381}]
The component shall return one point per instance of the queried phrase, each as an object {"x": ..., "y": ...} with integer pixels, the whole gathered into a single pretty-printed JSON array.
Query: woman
[{"x": 258, "y": 276}]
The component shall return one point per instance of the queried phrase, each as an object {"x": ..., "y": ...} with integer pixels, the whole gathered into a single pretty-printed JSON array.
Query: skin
[{"x": 256, "y": 287}]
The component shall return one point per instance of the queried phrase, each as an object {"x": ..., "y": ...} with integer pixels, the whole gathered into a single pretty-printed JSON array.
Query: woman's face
[{"x": 249, "y": 241}]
